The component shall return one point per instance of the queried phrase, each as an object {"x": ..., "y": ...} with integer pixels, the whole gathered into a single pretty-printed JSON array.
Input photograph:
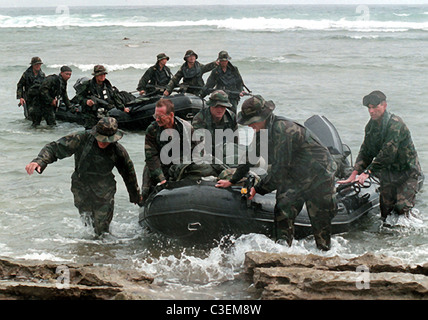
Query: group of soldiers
[
  {"x": 302, "y": 170},
  {"x": 41, "y": 95}
]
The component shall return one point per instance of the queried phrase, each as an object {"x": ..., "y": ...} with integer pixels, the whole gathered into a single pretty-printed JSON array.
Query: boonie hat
[
  {"x": 36, "y": 60},
  {"x": 374, "y": 98},
  {"x": 106, "y": 130},
  {"x": 219, "y": 98},
  {"x": 99, "y": 70},
  {"x": 162, "y": 56},
  {"x": 190, "y": 53},
  {"x": 255, "y": 109},
  {"x": 224, "y": 56}
]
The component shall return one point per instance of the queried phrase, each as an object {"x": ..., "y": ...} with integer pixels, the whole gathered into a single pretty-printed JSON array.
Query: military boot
[{"x": 285, "y": 230}]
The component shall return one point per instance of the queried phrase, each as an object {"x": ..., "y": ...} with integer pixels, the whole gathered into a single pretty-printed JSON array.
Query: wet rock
[
  {"x": 285, "y": 276},
  {"x": 24, "y": 279}
]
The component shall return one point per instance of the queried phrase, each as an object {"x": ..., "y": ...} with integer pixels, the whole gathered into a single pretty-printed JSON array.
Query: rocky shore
[
  {"x": 273, "y": 276},
  {"x": 39, "y": 280},
  {"x": 367, "y": 277}
]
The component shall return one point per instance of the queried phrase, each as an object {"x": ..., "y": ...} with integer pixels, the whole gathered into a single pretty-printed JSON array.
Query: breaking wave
[{"x": 240, "y": 24}]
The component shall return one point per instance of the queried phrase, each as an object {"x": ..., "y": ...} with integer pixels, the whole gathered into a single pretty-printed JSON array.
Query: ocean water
[{"x": 307, "y": 59}]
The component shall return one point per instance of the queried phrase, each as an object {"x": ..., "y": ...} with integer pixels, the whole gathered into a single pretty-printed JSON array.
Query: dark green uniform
[
  {"x": 106, "y": 92},
  {"x": 155, "y": 170},
  {"x": 388, "y": 153},
  {"x": 28, "y": 88},
  {"x": 230, "y": 81},
  {"x": 203, "y": 120},
  {"x": 192, "y": 77},
  {"x": 92, "y": 182},
  {"x": 52, "y": 87},
  {"x": 302, "y": 171},
  {"x": 154, "y": 77}
]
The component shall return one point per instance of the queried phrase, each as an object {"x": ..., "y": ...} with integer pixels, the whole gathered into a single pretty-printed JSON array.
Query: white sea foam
[
  {"x": 243, "y": 24},
  {"x": 109, "y": 67}
]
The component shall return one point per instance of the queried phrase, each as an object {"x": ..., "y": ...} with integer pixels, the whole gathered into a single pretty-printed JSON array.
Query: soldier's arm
[
  {"x": 175, "y": 80},
  {"x": 209, "y": 66},
  {"x": 45, "y": 94},
  {"x": 126, "y": 169},
  {"x": 20, "y": 87},
  {"x": 60, "y": 149},
  {"x": 388, "y": 153},
  {"x": 142, "y": 84},
  {"x": 211, "y": 82},
  {"x": 153, "y": 156}
]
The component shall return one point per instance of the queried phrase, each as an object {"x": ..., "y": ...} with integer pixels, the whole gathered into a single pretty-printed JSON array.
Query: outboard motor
[{"x": 329, "y": 137}]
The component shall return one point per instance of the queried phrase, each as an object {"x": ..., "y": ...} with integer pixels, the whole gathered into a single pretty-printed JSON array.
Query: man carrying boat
[
  {"x": 217, "y": 116},
  {"x": 167, "y": 142},
  {"x": 96, "y": 153},
  {"x": 28, "y": 87},
  {"x": 302, "y": 171},
  {"x": 389, "y": 154},
  {"x": 97, "y": 96},
  {"x": 156, "y": 77},
  {"x": 52, "y": 90},
  {"x": 191, "y": 72}
]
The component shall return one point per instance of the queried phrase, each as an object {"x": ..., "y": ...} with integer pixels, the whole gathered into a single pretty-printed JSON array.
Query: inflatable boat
[
  {"x": 196, "y": 210},
  {"x": 141, "y": 111}
]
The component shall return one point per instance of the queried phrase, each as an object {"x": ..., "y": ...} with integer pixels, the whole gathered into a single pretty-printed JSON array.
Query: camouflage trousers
[
  {"x": 94, "y": 211},
  {"x": 397, "y": 192},
  {"x": 37, "y": 113},
  {"x": 321, "y": 206}
]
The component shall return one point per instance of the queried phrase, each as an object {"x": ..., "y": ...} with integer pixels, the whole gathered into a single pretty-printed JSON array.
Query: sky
[{"x": 55, "y": 3}]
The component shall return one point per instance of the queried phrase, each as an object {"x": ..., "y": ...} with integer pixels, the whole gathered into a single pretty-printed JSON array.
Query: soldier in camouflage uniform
[
  {"x": 97, "y": 96},
  {"x": 217, "y": 116},
  {"x": 388, "y": 153},
  {"x": 157, "y": 171},
  {"x": 191, "y": 72},
  {"x": 96, "y": 152},
  {"x": 156, "y": 77},
  {"x": 53, "y": 89},
  {"x": 28, "y": 87},
  {"x": 302, "y": 171},
  {"x": 226, "y": 77}
]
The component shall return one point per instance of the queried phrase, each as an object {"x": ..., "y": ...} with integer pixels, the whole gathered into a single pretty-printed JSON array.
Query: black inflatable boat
[
  {"x": 141, "y": 111},
  {"x": 198, "y": 211}
]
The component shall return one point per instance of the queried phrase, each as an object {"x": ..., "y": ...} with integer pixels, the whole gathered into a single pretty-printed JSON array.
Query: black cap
[{"x": 374, "y": 98}]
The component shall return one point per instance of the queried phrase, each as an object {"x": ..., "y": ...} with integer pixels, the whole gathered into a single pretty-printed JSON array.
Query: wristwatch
[{"x": 367, "y": 172}]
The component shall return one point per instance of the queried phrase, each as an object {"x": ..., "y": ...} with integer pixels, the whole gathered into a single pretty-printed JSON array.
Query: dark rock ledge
[
  {"x": 300, "y": 277},
  {"x": 25, "y": 279}
]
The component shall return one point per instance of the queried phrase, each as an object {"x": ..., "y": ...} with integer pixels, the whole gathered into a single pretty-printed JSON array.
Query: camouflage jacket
[
  {"x": 93, "y": 165},
  {"x": 28, "y": 79},
  {"x": 153, "y": 146},
  {"x": 53, "y": 87},
  {"x": 191, "y": 76},
  {"x": 296, "y": 156},
  {"x": 154, "y": 77},
  {"x": 230, "y": 80},
  {"x": 106, "y": 93},
  {"x": 203, "y": 120},
  {"x": 387, "y": 147}
]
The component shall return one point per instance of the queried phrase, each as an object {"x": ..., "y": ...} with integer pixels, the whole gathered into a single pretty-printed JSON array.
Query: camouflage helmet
[
  {"x": 36, "y": 60},
  {"x": 190, "y": 53},
  {"x": 106, "y": 130},
  {"x": 374, "y": 98},
  {"x": 99, "y": 70},
  {"x": 223, "y": 56},
  {"x": 255, "y": 109},
  {"x": 219, "y": 98},
  {"x": 162, "y": 56}
]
